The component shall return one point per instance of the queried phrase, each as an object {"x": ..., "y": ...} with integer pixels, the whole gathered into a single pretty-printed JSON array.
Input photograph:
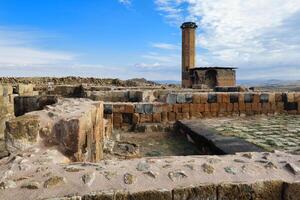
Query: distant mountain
[
  {"x": 270, "y": 82},
  {"x": 168, "y": 82}
]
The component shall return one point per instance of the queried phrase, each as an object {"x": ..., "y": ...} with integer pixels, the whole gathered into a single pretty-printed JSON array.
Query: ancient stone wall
[
  {"x": 200, "y": 105},
  {"x": 6, "y": 106}
]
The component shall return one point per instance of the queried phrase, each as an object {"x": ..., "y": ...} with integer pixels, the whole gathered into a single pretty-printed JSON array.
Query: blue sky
[{"x": 141, "y": 38}]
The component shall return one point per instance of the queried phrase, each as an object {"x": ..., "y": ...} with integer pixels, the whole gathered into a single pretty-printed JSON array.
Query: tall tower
[{"x": 188, "y": 51}]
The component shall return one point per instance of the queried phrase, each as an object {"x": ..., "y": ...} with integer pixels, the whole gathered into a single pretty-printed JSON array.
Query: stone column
[{"x": 188, "y": 51}]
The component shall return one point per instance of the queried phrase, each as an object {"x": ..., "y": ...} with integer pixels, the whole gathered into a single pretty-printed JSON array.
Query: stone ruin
[
  {"x": 86, "y": 138},
  {"x": 57, "y": 141}
]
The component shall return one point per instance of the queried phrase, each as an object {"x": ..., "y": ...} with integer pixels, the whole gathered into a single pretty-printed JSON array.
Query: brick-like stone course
[{"x": 198, "y": 105}]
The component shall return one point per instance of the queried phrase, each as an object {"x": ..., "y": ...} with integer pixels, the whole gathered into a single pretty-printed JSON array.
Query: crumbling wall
[
  {"x": 75, "y": 126},
  {"x": 25, "y": 104},
  {"x": 226, "y": 77},
  {"x": 200, "y": 105},
  {"x": 6, "y": 106}
]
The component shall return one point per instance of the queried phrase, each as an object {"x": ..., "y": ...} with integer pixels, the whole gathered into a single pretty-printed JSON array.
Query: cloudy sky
[{"x": 142, "y": 38}]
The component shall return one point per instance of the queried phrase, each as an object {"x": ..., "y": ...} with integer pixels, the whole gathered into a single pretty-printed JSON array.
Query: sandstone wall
[
  {"x": 6, "y": 106},
  {"x": 200, "y": 105}
]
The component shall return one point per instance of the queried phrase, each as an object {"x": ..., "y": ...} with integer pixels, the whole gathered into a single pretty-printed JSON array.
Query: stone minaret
[{"x": 188, "y": 51}]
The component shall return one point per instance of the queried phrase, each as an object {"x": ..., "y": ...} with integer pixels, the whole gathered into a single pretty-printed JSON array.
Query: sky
[{"x": 142, "y": 38}]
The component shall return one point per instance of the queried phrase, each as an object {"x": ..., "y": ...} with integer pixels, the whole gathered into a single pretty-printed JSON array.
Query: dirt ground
[{"x": 160, "y": 144}]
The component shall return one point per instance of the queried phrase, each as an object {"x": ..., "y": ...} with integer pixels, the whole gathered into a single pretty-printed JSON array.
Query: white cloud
[
  {"x": 165, "y": 46},
  {"x": 247, "y": 34},
  {"x": 148, "y": 65},
  {"x": 17, "y": 49},
  {"x": 125, "y": 2}
]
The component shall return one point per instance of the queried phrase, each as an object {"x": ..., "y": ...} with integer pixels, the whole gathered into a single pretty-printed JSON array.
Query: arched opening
[{"x": 211, "y": 78}]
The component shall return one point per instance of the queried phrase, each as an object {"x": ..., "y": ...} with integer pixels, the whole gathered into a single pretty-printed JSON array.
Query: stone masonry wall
[
  {"x": 6, "y": 106},
  {"x": 200, "y": 105}
]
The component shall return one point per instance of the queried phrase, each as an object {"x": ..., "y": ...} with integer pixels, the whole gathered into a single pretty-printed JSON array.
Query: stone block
[
  {"x": 272, "y": 97},
  {"x": 279, "y": 107},
  {"x": 135, "y": 118},
  {"x": 219, "y": 97},
  {"x": 186, "y": 115},
  {"x": 171, "y": 98},
  {"x": 203, "y": 97},
  {"x": 242, "y": 106},
  {"x": 21, "y": 133},
  {"x": 248, "y": 97},
  {"x": 291, "y": 191},
  {"x": 157, "y": 117},
  {"x": 117, "y": 120},
  {"x": 241, "y": 97},
  {"x": 24, "y": 89},
  {"x": 257, "y": 98},
  {"x": 172, "y": 116},
  {"x": 212, "y": 98},
  {"x": 235, "y": 107},
  {"x": 214, "y": 107},
  {"x": 201, "y": 107},
  {"x": 164, "y": 117},
  {"x": 6, "y": 90},
  {"x": 139, "y": 108},
  {"x": 225, "y": 98},
  {"x": 181, "y": 98},
  {"x": 264, "y": 98},
  {"x": 248, "y": 107},
  {"x": 229, "y": 107},
  {"x": 177, "y": 108},
  {"x": 118, "y": 108},
  {"x": 145, "y": 118},
  {"x": 129, "y": 108},
  {"x": 151, "y": 195},
  {"x": 268, "y": 190},
  {"x": 127, "y": 118},
  {"x": 148, "y": 108},
  {"x": 188, "y": 98},
  {"x": 108, "y": 108},
  {"x": 234, "y": 191},
  {"x": 278, "y": 97},
  {"x": 179, "y": 116},
  {"x": 185, "y": 108},
  {"x": 196, "y": 98},
  {"x": 223, "y": 107},
  {"x": 234, "y": 97},
  {"x": 207, "y": 107},
  {"x": 197, "y": 192},
  {"x": 297, "y": 97},
  {"x": 158, "y": 108},
  {"x": 291, "y": 97}
]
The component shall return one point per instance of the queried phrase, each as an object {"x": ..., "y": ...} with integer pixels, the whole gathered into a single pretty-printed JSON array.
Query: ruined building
[{"x": 201, "y": 77}]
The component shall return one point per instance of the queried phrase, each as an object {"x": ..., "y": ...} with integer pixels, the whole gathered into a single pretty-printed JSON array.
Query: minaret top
[{"x": 189, "y": 25}]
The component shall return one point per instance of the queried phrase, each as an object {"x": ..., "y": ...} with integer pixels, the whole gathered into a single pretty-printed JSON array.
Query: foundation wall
[{"x": 201, "y": 105}]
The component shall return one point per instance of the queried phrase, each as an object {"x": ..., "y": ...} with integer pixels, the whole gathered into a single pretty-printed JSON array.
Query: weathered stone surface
[
  {"x": 33, "y": 185},
  {"x": 197, "y": 192},
  {"x": 76, "y": 125},
  {"x": 129, "y": 178},
  {"x": 21, "y": 133},
  {"x": 268, "y": 190},
  {"x": 234, "y": 191},
  {"x": 291, "y": 191},
  {"x": 151, "y": 195},
  {"x": 54, "y": 181}
]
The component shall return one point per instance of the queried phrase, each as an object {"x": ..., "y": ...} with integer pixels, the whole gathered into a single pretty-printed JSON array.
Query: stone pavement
[{"x": 279, "y": 132}]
